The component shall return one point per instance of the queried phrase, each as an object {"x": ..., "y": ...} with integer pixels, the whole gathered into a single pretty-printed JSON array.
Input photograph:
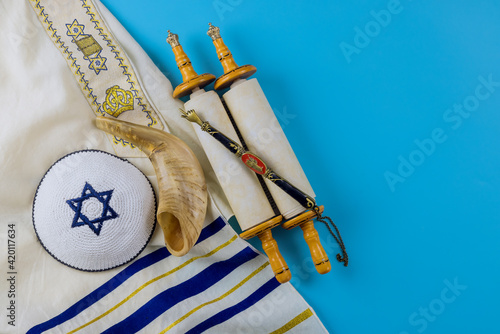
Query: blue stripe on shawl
[
  {"x": 230, "y": 312},
  {"x": 174, "y": 295},
  {"x": 118, "y": 279}
]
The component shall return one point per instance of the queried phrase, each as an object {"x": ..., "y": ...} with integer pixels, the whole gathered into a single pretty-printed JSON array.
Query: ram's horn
[{"x": 182, "y": 199}]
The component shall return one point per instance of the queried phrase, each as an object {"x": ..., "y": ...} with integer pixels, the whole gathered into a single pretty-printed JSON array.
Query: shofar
[{"x": 182, "y": 198}]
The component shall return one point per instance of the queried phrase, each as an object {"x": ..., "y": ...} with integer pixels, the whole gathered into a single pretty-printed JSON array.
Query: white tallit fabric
[{"x": 47, "y": 111}]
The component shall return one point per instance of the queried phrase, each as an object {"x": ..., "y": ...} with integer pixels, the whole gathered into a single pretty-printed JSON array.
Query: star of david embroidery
[
  {"x": 97, "y": 63},
  {"x": 75, "y": 29},
  {"x": 80, "y": 219}
]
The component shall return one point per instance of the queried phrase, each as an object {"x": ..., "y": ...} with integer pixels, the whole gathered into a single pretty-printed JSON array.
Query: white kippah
[{"x": 94, "y": 211}]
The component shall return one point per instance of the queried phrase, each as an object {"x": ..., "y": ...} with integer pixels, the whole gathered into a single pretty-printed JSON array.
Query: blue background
[{"x": 352, "y": 117}]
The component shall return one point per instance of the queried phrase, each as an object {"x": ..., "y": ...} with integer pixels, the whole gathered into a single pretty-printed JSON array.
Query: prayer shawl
[{"x": 62, "y": 63}]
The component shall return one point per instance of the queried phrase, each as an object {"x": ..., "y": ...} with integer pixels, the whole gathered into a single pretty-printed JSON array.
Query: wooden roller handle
[
  {"x": 225, "y": 56},
  {"x": 278, "y": 264},
  {"x": 184, "y": 64},
  {"x": 318, "y": 254}
]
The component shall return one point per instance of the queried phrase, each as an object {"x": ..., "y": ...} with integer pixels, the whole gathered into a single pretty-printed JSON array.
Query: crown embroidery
[{"x": 117, "y": 101}]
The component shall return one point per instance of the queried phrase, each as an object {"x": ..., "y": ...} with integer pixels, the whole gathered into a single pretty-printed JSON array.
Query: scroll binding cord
[{"x": 325, "y": 219}]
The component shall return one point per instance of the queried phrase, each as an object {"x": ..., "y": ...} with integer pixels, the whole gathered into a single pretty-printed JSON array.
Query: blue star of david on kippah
[{"x": 81, "y": 219}]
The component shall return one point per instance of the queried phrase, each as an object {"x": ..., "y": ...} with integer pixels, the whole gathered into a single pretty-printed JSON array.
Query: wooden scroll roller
[
  {"x": 246, "y": 197},
  {"x": 263, "y": 134},
  {"x": 191, "y": 80}
]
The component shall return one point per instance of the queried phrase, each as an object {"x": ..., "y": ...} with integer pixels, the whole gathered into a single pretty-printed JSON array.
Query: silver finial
[
  {"x": 213, "y": 32},
  {"x": 173, "y": 39}
]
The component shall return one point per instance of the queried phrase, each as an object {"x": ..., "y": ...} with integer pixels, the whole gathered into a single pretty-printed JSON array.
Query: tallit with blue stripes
[{"x": 60, "y": 64}]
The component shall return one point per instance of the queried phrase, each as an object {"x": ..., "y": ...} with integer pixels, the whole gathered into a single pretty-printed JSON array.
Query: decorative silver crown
[
  {"x": 173, "y": 39},
  {"x": 213, "y": 32}
]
